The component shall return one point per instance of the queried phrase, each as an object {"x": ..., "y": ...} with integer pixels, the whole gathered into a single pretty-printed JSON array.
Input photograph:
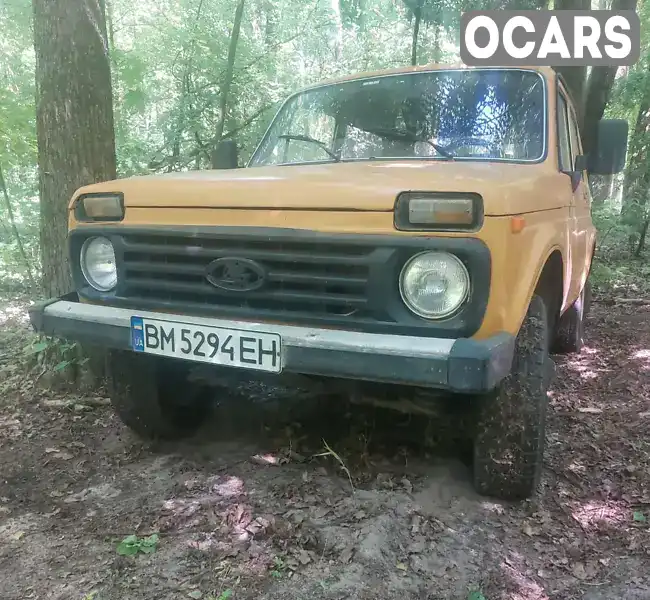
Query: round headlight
[
  {"x": 434, "y": 284},
  {"x": 98, "y": 263}
]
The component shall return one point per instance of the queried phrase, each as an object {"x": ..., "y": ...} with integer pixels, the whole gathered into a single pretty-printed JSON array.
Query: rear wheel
[
  {"x": 152, "y": 396},
  {"x": 510, "y": 429},
  {"x": 570, "y": 330}
]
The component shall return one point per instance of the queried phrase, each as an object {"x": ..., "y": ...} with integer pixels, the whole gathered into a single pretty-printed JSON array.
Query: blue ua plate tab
[{"x": 137, "y": 334}]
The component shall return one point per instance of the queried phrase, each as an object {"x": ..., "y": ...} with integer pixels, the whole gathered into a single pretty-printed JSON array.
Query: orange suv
[{"x": 426, "y": 226}]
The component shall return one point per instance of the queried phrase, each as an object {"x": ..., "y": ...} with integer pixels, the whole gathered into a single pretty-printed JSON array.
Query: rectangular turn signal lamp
[
  {"x": 450, "y": 211},
  {"x": 100, "y": 207},
  {"x": 432, "y": 211}
]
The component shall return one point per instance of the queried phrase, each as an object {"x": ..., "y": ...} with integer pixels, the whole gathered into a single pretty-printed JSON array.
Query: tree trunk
[
  {"x": 644, "y": 232},
  {"x": 599, "y": 87},
  {"x": 74, "y": 119},
  {"x": 574, "y": 76},
  {"x": 417, "y": 12},
  {"x": 14, "y": 230},
  {"x": 638, "y": 170},
  {"x": 227, "y": 80}
]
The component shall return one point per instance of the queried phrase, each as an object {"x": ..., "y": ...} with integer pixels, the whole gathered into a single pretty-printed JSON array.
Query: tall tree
[
  {"x": 590, "y": 94},
  {"x": 417, "y": 17},
  {"x": 575, "y": 77},
  {"x": 228, "y": 76},
  {"x": 74, "y": 118}
]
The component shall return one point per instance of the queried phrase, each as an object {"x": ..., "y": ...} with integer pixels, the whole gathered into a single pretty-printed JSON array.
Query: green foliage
[
  {"x": 279, "y": 567},
  {"x": 476, "y": 595},
  {"x": 168, "y": 60},
  {"x": 54, "y": 354},
  {"x": 639, "y": 517},
  {"x": 132, "y": 544}
]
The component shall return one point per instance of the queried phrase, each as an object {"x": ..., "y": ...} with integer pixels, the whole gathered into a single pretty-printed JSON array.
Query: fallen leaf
[
  {"x": 54, "y": 403},
  {"x": 51, "y": 450},
  {"x": 579, "y": 571},
  {"x": 259, "y": 524},
  {"x": 419, "y": 545},
  {"x": 346, "y": 555},
  {"x": 401, "y": 566},
  {"x": 265, "y": 460},
  {"x": 296, "y": 457},
  {"x": 415, "y": 524},
  {"x": 18, "y": 535},
  {"x": 56, "y": 494},
  {"x": 196, "y": 594},
  {"x": 320, "y": 512},
  {"x": 592, "y": 410}
]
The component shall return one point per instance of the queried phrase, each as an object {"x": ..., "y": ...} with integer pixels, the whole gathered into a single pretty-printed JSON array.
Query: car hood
[{"x": 506, "y": 188}]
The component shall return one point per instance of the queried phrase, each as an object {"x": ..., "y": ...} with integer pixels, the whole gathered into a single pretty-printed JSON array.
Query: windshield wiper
[
  {"x": 401, "y": 135},
  {"x": 307, "y": 138}
]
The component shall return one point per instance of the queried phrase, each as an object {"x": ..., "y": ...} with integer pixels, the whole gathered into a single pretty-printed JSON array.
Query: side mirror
[
  {"x": 581, "y": 163},
  {"x": 610, "y": 151},
  {"x": 578, "y": 171},
  {"x": 224, "y": 155}
]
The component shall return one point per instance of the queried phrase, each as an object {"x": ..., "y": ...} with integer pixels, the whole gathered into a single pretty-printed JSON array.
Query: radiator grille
[{"x": 301, "y": 277}]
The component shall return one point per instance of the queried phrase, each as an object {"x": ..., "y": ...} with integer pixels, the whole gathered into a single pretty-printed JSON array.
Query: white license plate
[{"x": 214, "y": 345}]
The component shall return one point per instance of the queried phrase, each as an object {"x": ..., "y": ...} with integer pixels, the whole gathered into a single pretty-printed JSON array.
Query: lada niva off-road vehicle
[{"x": 426, "y": 226}]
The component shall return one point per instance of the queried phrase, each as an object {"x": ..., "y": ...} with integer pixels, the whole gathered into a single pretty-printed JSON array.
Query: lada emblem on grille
[{"x": 235, "y": 274}]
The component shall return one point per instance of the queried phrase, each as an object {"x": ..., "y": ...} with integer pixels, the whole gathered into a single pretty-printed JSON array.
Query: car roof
[{"x": 546, "y": 71}]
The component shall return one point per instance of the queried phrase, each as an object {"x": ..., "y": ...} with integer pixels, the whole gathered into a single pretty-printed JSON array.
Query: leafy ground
[{"x": 245, "y": 510}]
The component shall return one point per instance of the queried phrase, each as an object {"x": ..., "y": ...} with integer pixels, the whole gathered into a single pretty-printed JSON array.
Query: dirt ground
[{"x": 245, "y": 510}]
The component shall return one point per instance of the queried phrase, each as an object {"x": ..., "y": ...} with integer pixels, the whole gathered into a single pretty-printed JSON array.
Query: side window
[
  {"x": 576, "y": 146},
  {"x": 564, "y": 144}
]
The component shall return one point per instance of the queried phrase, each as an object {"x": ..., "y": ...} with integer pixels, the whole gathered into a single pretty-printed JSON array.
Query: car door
[
  {"x": 585, "y": 233},
  {"x": 569, "y": 147}
]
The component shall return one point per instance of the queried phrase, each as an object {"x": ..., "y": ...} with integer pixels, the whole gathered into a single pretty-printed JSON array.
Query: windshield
[{"x": 444, "y": 115}]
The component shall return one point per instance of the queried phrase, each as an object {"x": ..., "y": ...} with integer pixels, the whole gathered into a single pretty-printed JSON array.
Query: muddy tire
[
  {"x": 510, "y": 428},
  {"x": 152, "y": 397},
  {"x": 571, "y": 328}
]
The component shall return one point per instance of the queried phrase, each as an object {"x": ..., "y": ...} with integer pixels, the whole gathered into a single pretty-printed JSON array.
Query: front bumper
[{"x": 461, "y": 365}]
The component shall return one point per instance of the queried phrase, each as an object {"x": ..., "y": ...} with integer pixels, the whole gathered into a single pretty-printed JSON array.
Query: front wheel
[
  {"x": 152, "y": 396},
  {"x": 510, "y": 429}
]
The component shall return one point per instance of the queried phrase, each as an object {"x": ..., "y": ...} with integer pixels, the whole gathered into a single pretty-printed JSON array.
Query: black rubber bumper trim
[
  {"x": 37, "y": 311},
  {"x": 479, "y": 365},
  {"x": 97, "y": 334},
  {"x": 407, "y": 370},
  {"x": 472, "y": 366}
]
